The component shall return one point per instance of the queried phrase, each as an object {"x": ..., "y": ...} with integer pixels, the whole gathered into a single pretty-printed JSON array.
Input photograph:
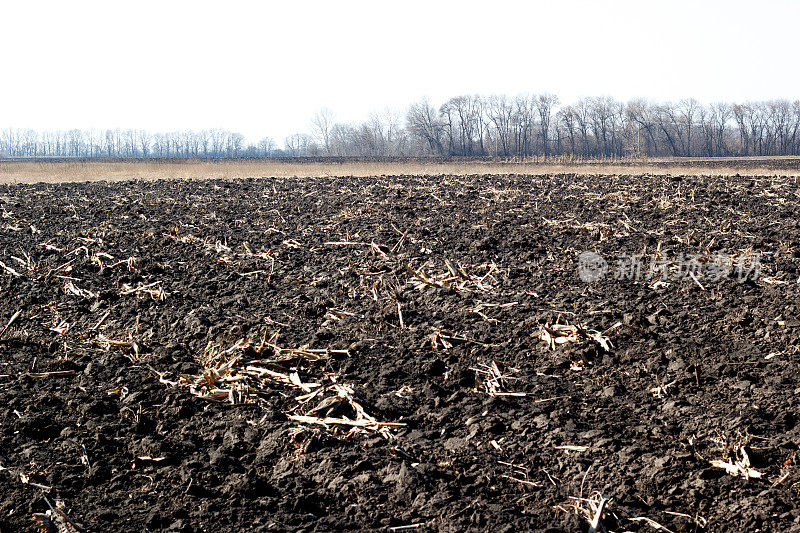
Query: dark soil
[{"x": 97, "y": 419}]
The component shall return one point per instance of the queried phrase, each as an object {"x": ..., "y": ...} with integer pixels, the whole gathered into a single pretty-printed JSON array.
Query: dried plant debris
[
  {"x": 154, "y": 290},
  {"x": 338, "y": 406},
  {"x": 56, "y": 520},
  {"x": 601, "y": 516},
  {"x": 484, "y": 279},
  {"x": 444, "y": 340},
  {"x": 494, "y": 382},
  {"x": 728, "y": 451},
  {"x": 241, "y": 373},
  {"x": 558, "y": 334},
  {"x": 738, "y": 465},
  {"x": 237, "y": 374}
]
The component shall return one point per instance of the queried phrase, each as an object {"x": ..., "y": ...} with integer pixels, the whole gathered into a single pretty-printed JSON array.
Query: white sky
[{"x": 263, "y": 68}]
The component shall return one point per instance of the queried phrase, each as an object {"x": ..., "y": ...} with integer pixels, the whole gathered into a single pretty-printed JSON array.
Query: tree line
[
  {"x": 131, "y": 143},
  {"x": 471, "y": 126}
]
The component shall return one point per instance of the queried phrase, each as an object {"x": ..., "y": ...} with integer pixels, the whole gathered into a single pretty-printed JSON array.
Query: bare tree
[
  {"x": 500, "y": 111},
  {"x": 795, "y": 138},
  {"x": 108, "y": 144},
  {"x": 235, "y": 144},
  {"x": 75, "y": 141},
  {"x": 204, "y": 140},
  {"x": 545, "y": 103},
  {"x": 393, "y": 132},
  {"x": 423, "y": 123},
  {"x": 643, "y": 115},
  {"x": 266, "y": 147},
  {"x": 583, "y": 112},
  {"x": 602, "y": 119},
  {"x": 159, "y": 145},
  {"x": 721, "y": 114},
  {"x": 344, "y": 140},
  {"x": 566, "y": 121},
  {"x": 219, "y": 140},
  {"x": 522, "y": 122},
  {"x": 687, "y": 109},
  {"x": 144, "y": 139},
  {"x": 322, "y": 122},
  {"x": 297, "y": 144},
  {"x": 757, "y": 122},
  {"x": 464, "y": 125},
  {"x": 668, "y": 123}
]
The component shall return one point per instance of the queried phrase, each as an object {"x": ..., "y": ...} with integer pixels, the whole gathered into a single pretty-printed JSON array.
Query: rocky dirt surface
[{"x": 401, "y": 354}]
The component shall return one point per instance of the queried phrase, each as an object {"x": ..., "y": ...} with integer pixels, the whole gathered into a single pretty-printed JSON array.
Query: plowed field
[{"x": 401, "y": 353}]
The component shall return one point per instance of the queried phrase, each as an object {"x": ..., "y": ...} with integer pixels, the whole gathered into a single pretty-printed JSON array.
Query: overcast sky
[{"x": 263, "y": 68}]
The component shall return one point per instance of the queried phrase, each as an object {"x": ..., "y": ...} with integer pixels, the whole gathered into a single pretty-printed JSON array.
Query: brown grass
[{"x": 32, "y": 171}]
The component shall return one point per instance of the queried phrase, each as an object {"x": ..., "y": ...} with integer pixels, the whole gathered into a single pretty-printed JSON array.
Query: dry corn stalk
[
  {"x": 590, "y": 509},
  {"x": 71, "y": 288},
  {"x": 494, "y": 380},
  {"x": 108, "y": 344},
  {"x": 558, "y": 334},
  {"x": 739, "y": 466},
  {"x": 155, "y": 290},
  {"x": 10, "y": 270},
  {"x": 594, "y": 508},
  {"x": 343, "y": 403},
  {"x": 456, "y": 277},
  {"x": 446, "y": 340},
  {"x": 228, "y": 376}
]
